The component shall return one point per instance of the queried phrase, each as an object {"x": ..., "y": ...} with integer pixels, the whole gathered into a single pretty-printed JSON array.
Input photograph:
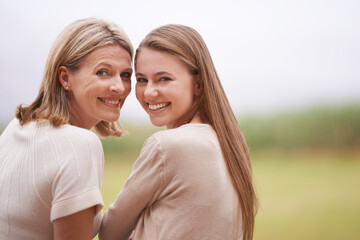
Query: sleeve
[
  {"x": 77, "y": 185},
  {"x": 140, "y": 190}
]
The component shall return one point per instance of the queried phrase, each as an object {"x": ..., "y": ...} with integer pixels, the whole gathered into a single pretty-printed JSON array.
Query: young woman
[
  {"x": 193, "y": 180},
  {"x": 51, "y": 165}
]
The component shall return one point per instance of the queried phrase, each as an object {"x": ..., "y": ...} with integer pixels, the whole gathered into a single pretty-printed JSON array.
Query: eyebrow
[
  {"x": 129, "y": 69},
  {"x": 103, "y": 63},
  {"x": 139, "y": 74},
  {"x": 156, "y": 74}
]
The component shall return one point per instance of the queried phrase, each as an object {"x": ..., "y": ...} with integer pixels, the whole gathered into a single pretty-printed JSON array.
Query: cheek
[
  {"x": 188, "y": 93},
  {"x": 127, "y": 86},
  {"x": 88, "y": 88},
  {"x": 80, "y": 79},
  {"x": 139, "y": 91}
]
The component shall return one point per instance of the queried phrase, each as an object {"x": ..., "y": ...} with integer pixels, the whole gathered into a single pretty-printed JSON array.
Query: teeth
[
  {"x": 115, "y": 102},
  {"x": 158, "y": 106}
]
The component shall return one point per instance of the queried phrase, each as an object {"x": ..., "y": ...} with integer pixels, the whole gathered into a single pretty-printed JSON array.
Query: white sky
[{"x": 270, "y": 55}]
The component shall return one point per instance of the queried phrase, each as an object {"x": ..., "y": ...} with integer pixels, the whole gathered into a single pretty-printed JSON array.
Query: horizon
[{"x": 270, "y": 56}]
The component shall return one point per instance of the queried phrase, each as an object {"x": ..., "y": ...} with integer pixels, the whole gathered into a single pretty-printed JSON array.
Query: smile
[
  {"x": 113, "y": 102},
  {"x": 158, "y": 106}
]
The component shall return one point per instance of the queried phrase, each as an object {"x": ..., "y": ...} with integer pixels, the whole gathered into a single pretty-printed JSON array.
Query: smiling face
[
  {"x": 98, "y": 89},
  {"x": 165, "y": 88}
]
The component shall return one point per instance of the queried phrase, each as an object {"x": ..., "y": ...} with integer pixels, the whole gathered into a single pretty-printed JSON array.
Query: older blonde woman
[{"x": 50, "y": 163}]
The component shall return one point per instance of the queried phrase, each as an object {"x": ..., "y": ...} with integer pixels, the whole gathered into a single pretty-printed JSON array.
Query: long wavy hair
[
  {"x": 73, "y": 44},
  {"x": 213, "y": 106}
]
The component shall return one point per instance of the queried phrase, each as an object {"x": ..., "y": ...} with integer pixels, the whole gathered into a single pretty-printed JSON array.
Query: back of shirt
[
  {"x": 179, "y": 189},
  {"x": 46, "y": 173}
]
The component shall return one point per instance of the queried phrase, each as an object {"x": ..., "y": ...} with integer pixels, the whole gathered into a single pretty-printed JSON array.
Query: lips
[
  {"x": 158, "y": 106},
  {"x": 110, "y": 101}
]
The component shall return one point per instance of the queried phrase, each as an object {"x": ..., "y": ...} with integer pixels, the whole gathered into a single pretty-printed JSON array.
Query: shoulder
[
  {"x": 80, "y": 137},
  {"x": 44, "y": 132},
  {"x": 12, "y": 126},
  {"x": 187, "y": 137},
  {"x": 188, "y": 131},
  {"x": 67, "y": 136},
  {"x": 79, "y": 133}
]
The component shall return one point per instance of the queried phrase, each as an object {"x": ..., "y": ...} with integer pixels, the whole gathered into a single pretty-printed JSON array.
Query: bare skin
[{"x": 77, "y": 226}]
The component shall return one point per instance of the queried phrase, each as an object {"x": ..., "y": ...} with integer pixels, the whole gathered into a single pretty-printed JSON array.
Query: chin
[
  {"x": 157, "y": 123},
  {"x": 111, "y": 118}
]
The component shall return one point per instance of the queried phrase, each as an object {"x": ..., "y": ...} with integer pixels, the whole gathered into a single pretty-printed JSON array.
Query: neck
[
  {"x": 196, "y": 118},
  {"x": 77, "y": 120}
]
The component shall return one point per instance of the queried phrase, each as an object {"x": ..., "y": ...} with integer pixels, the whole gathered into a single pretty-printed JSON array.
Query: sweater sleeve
[
  {"x": 77, "y": 184},
  {"x": 140, "y": 190}
]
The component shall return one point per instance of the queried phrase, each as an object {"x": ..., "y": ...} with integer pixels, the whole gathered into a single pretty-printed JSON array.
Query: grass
[
  {"x": 116, "y": 172},
  {"x": 303, "y": 195},
  {"x": 308, "y": 196},
  {"x": 318, "y": 127}
]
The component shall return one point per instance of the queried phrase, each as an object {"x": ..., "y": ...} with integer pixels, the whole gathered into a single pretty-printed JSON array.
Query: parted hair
[
  {"x": 73, "y": 44},
  {"x": 212, "y": 104}
]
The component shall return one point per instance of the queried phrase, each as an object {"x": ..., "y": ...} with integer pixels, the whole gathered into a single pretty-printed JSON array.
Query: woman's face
[
  {"x": 165, "y": 88},
  {"x": 97, "y": 91}
]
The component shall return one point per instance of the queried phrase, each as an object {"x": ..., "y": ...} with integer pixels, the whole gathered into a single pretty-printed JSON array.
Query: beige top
[
  {"x": 47, "y": 173},
  {"x": 179, "y": 189}
]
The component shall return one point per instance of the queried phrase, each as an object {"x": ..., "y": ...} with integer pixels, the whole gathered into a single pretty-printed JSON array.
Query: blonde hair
[
  {"x": 75, "y": 42},
  {"x": 214, "y": 108}
]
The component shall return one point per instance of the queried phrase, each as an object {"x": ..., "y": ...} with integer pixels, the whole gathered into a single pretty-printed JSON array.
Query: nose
[
  {"x": 117, "y": 85},
  {"x": 150, "y": 91}
]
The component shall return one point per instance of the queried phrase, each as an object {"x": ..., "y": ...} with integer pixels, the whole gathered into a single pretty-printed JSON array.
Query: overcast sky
[{"x": 271, "y": 55}]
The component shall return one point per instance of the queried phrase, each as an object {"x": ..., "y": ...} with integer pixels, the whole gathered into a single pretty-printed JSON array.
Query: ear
[
  {"x": 197, "y": 86},
  {"x": 63, "y": 74}
]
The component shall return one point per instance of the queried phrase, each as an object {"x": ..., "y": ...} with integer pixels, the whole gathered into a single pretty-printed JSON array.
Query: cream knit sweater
[
  {"x": 47, "y": 173},
  {"x": 179, "y": 189}
]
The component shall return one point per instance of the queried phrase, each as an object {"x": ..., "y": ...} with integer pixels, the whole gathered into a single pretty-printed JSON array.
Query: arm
[
  {"x": 120, "y": 220},
  {"x": 140, "y": 190},
  {"x": 77, "y": 226},
  {"x": 76, "y": 186}
]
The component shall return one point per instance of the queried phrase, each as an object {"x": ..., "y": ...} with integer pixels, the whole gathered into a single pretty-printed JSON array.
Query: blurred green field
[
  {"x": 318, "y": 127},
  {"x": 304, "y": 195},
  {"x": 308, "y": 195},
  {"x": 306, "y": 166}
]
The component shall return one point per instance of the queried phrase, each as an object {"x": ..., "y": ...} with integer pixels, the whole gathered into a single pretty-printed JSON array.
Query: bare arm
[{"x": 77, "y": 226}]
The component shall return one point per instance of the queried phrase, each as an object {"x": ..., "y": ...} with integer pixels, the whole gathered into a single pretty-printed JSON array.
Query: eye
[
  {"x": 141, "y": 80},
  {"x": 164, "y": 79},
  {"x": 102, "y": 73},
  {"x": 126, "y": 75}
]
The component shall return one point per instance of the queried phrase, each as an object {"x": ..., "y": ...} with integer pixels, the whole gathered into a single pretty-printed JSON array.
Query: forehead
[
  {"x": 108, "y": 53},
  {"x": 149, "y": 60}
]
